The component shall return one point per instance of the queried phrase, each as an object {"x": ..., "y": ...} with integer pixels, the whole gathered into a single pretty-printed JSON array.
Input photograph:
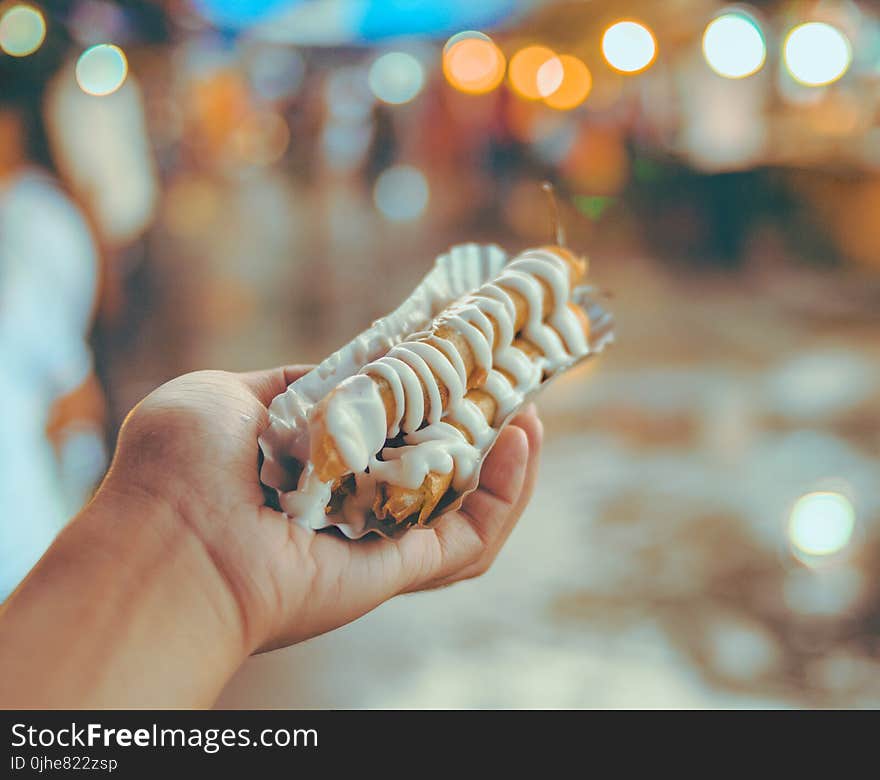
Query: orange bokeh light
[
  {"x": 474, "y": 65},
  {"x": 576, "y": 84},
  {"x": 523, "y": 71}
]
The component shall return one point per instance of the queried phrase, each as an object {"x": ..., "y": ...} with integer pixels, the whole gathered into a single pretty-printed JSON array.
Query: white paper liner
[{"x": 285, "y": 443}]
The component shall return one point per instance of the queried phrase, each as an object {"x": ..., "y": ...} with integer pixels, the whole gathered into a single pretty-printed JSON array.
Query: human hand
[{"x": 190, "y": 447}]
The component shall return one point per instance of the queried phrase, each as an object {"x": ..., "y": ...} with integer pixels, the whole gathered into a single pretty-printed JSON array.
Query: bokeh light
[
  {"x": 629, "y": 46},
  {"x": 550, "y": 76},
  {"x": 101, "y": 70},
  {"x": 276, "y": 71},
  {"x": 396, "y": 77},
  {"x": 733, "y": 46},
  {"x": 22, "y": 30},
  {"x": 816, "y": 54},
  {"x": 473, "y": 64},
  {"x": 821, "y": 523},
  {"x": 535, "y": 72},
  {"x": 262, "y": 138},
  {"x": 401, "y": 193},
  {"x": 347, "y": 94},
  {"x": 463, "y": 36},
  {"x": 575, "y": 85}
]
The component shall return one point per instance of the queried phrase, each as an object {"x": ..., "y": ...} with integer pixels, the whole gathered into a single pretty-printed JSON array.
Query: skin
[{"x": 177, "y": 570}]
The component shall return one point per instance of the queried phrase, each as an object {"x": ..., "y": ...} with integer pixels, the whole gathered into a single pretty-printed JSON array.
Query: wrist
[
  {"x": 157, "y": 537},
  {"x": 183, "y": 520},
  {"x": 132, "y": 596}
]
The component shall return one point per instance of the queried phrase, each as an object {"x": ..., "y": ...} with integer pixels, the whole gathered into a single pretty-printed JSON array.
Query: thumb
[{"x": 266, "y": 384}]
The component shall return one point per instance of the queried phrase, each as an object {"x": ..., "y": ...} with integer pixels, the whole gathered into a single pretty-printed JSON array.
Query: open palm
[{"x": 192, "y": 445}]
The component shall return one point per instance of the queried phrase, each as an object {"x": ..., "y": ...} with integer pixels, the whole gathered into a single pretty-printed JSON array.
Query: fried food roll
[
  {"x": 401, "y": 503},
  {"x": 411, "y": 505}
]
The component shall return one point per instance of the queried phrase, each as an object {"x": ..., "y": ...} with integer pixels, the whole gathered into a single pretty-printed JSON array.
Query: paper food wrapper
[{"x": 285, "y": 443}]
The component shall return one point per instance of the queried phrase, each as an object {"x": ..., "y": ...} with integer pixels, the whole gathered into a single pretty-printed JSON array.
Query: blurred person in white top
[{"x": 48, "y": 286}]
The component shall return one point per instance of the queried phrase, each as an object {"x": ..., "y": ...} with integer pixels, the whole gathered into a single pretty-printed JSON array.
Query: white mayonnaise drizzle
[
  {"x": 354, "y": 421},
  {"x": 356, "y": 417},
  {"x": 308, "y": 501}
]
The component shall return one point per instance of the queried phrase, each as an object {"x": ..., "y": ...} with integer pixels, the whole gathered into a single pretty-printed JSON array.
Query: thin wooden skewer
[{"x": 554, "y": 210}]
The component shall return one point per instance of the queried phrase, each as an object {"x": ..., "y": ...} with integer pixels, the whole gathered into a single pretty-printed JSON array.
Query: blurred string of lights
[
  {"x": 814, "y": 54},
  {"x": 734, "y": 45}
]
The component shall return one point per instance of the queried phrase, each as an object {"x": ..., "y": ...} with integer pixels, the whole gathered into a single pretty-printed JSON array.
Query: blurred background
[{"x": 241, "y": 184}]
